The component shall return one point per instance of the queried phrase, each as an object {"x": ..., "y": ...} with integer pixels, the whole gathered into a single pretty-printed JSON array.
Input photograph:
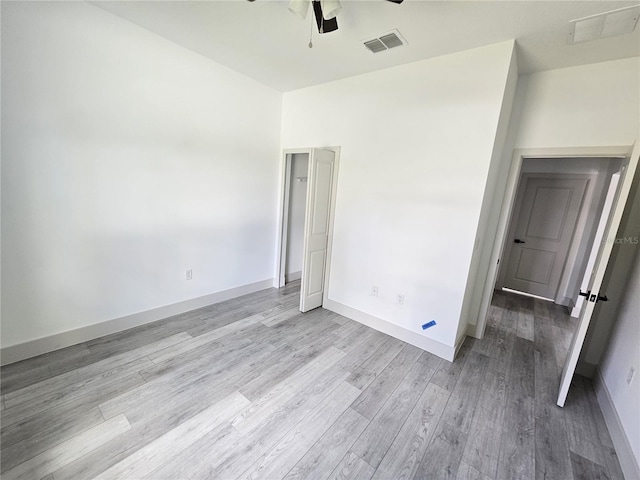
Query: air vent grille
[
  {"x": 391, "y": 40},
  {"x": 385, "y": 42},
  {"x": 603, "y": 25},
  {"x": 375, "y": 45}
]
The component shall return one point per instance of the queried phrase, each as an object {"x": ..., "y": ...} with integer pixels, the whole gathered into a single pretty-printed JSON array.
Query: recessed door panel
[
  {"x": 320, "y": 221},
  {"x": 316, "y": 268},
  {"x": 535, "y": 266},
  {"x": 548, "y": 213}
]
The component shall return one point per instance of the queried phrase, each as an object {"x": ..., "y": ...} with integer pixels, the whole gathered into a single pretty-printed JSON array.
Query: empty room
[{"x": 355, "y": 239}]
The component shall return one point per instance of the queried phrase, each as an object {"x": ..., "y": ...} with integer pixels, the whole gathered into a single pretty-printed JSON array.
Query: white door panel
[{"x": 321, "y": 165}]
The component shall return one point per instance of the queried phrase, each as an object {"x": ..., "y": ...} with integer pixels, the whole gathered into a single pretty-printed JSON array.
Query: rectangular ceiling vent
[
  {"x": 384, "y": 42},
  {"x": 603, "y": 25}
]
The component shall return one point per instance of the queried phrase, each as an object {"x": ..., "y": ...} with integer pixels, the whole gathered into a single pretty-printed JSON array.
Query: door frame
[
  {"x": 283, "y": 215},
  {"x": 573, "y": 242},
  {"x": 508, "y": 204}
]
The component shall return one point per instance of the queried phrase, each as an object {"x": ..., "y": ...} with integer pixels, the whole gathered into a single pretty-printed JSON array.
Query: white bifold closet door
[{"x": 316, "y": 228}]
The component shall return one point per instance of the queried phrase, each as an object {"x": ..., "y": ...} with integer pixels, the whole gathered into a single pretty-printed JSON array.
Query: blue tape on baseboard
[{"x": 429, "y": 325}]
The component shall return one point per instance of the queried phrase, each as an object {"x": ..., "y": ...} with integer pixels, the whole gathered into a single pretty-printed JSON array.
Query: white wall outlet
[
  {"x": 189, "y": 274},
  {"x": 630, "y": 375},
  {"x": 374, "y": 291},
  {"x": 400, "y": 299}
]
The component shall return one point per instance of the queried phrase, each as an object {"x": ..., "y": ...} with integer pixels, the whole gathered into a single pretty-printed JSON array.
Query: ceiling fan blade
[
  {"x": 330, "y": 8},
  {"x": 396, "y": 1},
  {"x": 324, "y": 25},
  {"x": 299, "y": 8}
]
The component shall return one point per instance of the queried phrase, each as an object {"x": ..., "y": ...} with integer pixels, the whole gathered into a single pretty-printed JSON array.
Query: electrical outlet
[
  {"x": 374, "y": 291},
  {"x": 400, "y": 299},
  {"x": 189, "y": 274},
  {"x": 630, "y": 375}
]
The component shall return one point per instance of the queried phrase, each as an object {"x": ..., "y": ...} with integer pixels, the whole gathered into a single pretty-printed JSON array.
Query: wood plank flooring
[{"x": 252, "y": 389}]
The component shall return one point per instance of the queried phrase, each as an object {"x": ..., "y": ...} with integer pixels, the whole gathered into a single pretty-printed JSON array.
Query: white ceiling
[{"x": 265, "y": 41}]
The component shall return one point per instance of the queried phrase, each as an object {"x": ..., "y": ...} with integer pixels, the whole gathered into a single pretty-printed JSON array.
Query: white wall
[
  {"x": 126, "y": 160},
  {"x": 416, "y": 141},
  {"x": 588, "y": 106},
  {"x": 297, "y": 210},
  {"x": 622, "y": 354}
]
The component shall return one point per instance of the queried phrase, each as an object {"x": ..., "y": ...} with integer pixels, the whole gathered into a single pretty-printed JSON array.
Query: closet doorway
[{"x": 307, "y": 207}]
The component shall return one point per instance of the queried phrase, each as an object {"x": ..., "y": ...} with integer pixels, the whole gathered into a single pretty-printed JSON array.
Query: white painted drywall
[
  {"x": 126, "y": 160},
  {"x": 417, "y": 141},
  {"x": 622, "y": 354},
  {"x": 587, "y": 106},
  {"x": 297, "y": 209}
]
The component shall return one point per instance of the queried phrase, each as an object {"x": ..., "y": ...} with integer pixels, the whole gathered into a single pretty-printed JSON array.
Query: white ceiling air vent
[
  {"x": 607, "y": 24},
  {"x": 384, "y": 42}
]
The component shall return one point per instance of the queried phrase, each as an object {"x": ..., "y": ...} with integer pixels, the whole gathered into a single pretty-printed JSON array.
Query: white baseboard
[
  {"x": 628, "y": 461},
  {"x": 432, "y": 346},
  {"x": 290, "y": 277},
  {"x": 21, "y": 351}
]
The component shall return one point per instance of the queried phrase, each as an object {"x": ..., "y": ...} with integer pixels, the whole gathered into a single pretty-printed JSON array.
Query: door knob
[{"x": 517, "y": 240}]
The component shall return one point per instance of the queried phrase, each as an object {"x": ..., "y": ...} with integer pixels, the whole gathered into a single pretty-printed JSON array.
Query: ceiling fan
[{"x": 325, "y": 12}]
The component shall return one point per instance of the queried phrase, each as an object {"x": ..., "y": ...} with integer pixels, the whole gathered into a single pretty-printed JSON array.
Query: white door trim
[{"x": 509, "y": 201}]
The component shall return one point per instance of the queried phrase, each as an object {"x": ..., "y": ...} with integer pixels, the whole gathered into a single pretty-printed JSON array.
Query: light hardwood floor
[{"x": 250, "y": 388}]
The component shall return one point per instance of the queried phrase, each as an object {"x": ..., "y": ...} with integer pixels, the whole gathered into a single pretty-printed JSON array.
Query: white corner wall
[
  {"x": 126, "y": 160},
  {"x": 478, "y": 291},
  {"x": 417, "y": 141}
]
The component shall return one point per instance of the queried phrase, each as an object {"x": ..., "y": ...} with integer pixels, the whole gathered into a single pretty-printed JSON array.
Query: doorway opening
[
  {"x": 596, "y": 247},
  {"x": 306, "y": 221},
  {"x": 297, "y": 176}
]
